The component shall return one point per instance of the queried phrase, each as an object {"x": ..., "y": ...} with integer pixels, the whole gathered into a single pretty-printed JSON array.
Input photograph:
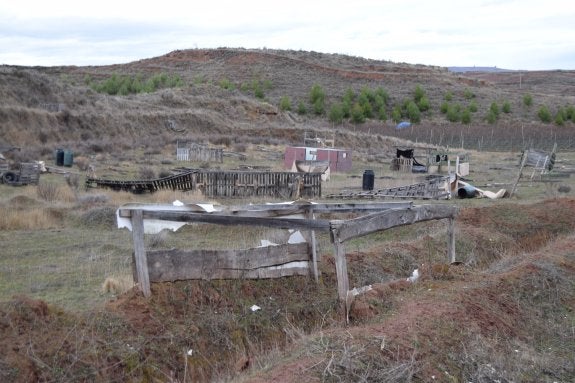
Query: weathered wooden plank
[
  {"x": 340, "y": 267},
  {"x": 225, "y": 219},
  {"x": 140, "y": 252},
  {"x": 390, "y": 218},
  {"x": 263, "y": 262},
  {"x": 313, "y": 249}
]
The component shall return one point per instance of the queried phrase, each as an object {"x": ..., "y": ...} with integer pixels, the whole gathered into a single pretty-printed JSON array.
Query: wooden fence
[
  {"x": 199, "y": 153},
  {"x": 177, "y": 264},
  {"x": 225, "y": 184}
]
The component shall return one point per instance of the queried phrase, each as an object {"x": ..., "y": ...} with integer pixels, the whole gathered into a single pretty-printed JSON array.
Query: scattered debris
[{"x": 255, "y": 308}]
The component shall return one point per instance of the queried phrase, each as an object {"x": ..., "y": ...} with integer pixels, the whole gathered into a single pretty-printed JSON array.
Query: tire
[{"x": 10, "y": 178}]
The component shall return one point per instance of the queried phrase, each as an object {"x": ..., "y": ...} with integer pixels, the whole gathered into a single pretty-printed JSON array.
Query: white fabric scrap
[
  {"x": 255, "y": 308},
  {"x": 414, "y": 276},
  {"x": 296, "y": 237}
]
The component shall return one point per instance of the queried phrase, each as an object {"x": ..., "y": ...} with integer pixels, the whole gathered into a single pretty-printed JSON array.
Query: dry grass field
[{"x": 69, "y": 311}]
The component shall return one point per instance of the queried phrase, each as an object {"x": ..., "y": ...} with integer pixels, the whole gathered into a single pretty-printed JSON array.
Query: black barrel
[
  {"x": 59, "y": 157},
  {"x": 368, "y": 179}
]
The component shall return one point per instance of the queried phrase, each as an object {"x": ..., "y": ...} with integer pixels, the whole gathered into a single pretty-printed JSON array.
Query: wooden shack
[{"x": 339, "y": 159}]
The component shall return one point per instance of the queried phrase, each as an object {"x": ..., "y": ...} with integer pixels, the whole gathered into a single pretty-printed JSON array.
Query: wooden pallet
[{"x": 434, "y": 188}]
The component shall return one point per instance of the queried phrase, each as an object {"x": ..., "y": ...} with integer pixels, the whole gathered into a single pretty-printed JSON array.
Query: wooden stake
[
  {"x": 340, "y": 266},
  {"x": 451, "y": 240},
  {"x": 313, "y": 249},
  {"x": 140, "y": 252}
]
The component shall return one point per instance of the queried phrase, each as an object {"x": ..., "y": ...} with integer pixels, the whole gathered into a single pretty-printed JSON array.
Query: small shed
[{"x": 339, "y": 159}]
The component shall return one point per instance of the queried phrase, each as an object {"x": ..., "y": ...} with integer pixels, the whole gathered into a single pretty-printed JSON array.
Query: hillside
[{"x": 203, "y": 110}]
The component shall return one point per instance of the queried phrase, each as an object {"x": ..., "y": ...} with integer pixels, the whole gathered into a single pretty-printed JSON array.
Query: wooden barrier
[
  {"x": 274, "y": 261},
  {"x": 225, "y": 184}
]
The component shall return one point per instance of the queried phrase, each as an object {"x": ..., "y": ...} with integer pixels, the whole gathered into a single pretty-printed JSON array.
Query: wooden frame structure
[{"x": 374, "y": 217}]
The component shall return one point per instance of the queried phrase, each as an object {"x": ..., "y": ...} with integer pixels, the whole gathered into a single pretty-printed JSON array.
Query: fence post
[
  {"x": 140, "y": 252},
  {"x": 451, "y": 239},
  {"x": 340, "y": 265},
  {"x": 310, "y": 215}
]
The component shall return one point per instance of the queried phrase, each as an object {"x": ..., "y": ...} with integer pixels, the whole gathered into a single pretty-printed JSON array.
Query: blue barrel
[
  {"x": 368, "y": 180},
  {"x": 59, "y": 157},
  {"x": 68, "y": 158}
]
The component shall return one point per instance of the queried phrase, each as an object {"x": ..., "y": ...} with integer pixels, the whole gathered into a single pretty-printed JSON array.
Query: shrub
[
  {"x": 382, "y": 114},
  {"x": 301, "y": 108},
  {"x": 544, "y": 114},
  {"x": 226, "y": 84},
  {"x": 423, "y": 104},
  {"x": 448, "y": 96},
  {"x": 382, "y": 93},
  {"x": 491, "y": 117},
  {"x": 285, "y": 103},
  {"x": 527, "y": 100},
  {"x": 506, "y": 107},
  {"x": 472, "y": 106},
  {"x": 336, "y": 114},
  {"x": 319, "y": 107},
  {"x": 316, "y": 94},
  {"x": 466, "y": 116},
  {"x": 357, "y": 115},
  {"x": 418, "y": 94},
  {"x": 413, "y": 112},
  {"x": 569, "y": 113},
  {"x": 396, "y": 114},
  {"x": 444, "y": 107},
  {"x": 468, "y": 94},
  {"x": 494, "y": 109},
  {"x": 453, "y": 113}
]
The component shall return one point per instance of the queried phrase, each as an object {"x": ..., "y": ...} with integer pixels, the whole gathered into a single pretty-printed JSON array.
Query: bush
[
  {"x": 357, "y": 115},
  {"x": 285, "y": 103},
  {"x": 544, "y": 114},
  {"x": 444, "y": 107},
  {"x": 527, "y": 100},
  {"x": 424, "y": 104},
  {"x": 466, "y": 116},
  {"x": 301, "y": 108},
  {"x": 226, "y": 84},
  {"x": 146, "y": 173},
  {"x": 494, "y": 109},
  {"x": 336, "y": 114},
  {"x": 47, "y": 191},
  {"x": 472, "y": 106},
  {"x": 396, "y": 114},
  {"x": 491, "y": 117},
  {"x": 382, "y": 114},
  {"x": 468, "y": 94},
  {"x": 316, "y": 94},
  {"x": 448, "y": 96},
  {"x": 506, "y": 107},
  {"x": 319, "y": 107},
  {"x": 453, "y": 113},
  {"x": 413, "y": 112},
  {"x": 418, "y": 94}
]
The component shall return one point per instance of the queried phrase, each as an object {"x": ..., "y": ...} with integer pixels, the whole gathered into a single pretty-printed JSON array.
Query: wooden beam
[
  {"x": 224, "y": 219},
  {"x": 260, "y": 262},
  {"x": 140, "y": 252},
  {"x": 387, "y": 219}
]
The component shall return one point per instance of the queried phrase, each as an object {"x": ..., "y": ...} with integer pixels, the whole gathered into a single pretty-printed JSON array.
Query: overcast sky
[{"x": 521, "y": 34}]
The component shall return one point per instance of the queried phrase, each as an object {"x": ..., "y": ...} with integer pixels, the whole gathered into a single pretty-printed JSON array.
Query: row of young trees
[
  {"x": 124, "y": 85},
  {"x": 375, "y": 103},
  {"x": 353, "y": 106}
]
